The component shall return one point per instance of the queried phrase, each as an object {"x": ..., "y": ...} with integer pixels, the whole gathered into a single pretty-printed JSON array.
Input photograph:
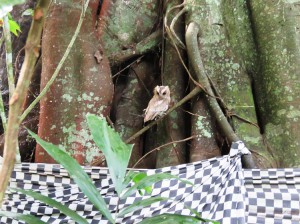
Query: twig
[
  {"x": 174, "y": 20},
  {"x": 193, "y": 93},
  {"x": 159, "y": 147},
  {"x": 59, "y": 66},
  {"x": 18, "y": 97},
  {"x": 17, "y": 60},
  {"x": 8, "y": 56},
  {"x": 2, "y": 111},
  {"x": 138, "y": 59},
  {"x": 170, "y": 31}
]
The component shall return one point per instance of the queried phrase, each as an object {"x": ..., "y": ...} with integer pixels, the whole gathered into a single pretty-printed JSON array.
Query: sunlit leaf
[
  {"x": 49, "y": 201},
  {"x": 140, "y": 204},
  {"x": 171, "y": 219},
  {"x": 137, "y": 178},
  {"x": 77, "y": 173},
  {"x": 149, "y": 180},
  {"x": 30, "y": 219},
  {"x": 117, "y": 153},
  {"x": 14, "y": 27}
]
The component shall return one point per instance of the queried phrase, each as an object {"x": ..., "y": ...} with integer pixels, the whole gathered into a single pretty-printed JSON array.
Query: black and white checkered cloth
[{"x": 222, "y": 191}]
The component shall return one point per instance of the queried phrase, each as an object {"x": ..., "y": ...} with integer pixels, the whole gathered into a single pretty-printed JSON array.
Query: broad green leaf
[
  {"x": 49, "y": 201},
  {"x": 117, "y": 153},
  {"x": 171, "y": 218},
  {"x": 140, "y": 204},
  {"x": 77, "y": 173},
  {"x": 30, "y": 219},
  {"x": 14, "y": 27},
  {"x": 149, "y": 180},
  {"x": 7, "y": 5},
  {"x": 137, "y": 178},
  {"x": 28, "y": 12},
  {"x": 199, "y": 216}
]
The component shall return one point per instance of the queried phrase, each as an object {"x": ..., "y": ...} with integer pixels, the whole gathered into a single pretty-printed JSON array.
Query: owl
[{"x": 158, "y": 104}]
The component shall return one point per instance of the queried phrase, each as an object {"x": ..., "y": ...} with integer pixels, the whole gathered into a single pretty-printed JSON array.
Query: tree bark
[
  {"x": 277, "y": 86},
  {"x": 83, "y": 86}
]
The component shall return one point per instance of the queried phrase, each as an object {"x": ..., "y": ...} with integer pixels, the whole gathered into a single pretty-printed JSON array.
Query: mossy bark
[
  {"x": 123, "y": 24},
  {"x": 222, "y": 25},
  {"x": 83, "y": 86},
  {"x": 174, "y": 126},
  {"x": 129, "y": 109},
  {"x": 277, "y": 86}
]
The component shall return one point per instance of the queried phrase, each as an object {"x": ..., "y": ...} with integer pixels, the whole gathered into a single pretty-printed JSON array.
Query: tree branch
[
  {"x": 195, "y": 59},
  {"x": 59, "y": 66},
  {"x": 193, "y": 93},
  {"x": 31, "y": 54},
  {"x": 140, "y": 48}
]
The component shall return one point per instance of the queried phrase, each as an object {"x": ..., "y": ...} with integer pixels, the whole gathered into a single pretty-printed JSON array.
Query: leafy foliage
[
  {"x": 117, "y": 154},
  {"x": 49, "y": 201},
  {"x": 78, "y": 175},
  {"x": 30, "y": 219},
  {"x": 14, "y": 27}
]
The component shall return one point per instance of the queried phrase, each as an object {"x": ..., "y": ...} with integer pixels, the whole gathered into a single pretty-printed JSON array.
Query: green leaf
[
  {"x": 14, "y": 27},
  {"x": 171, "y": 218},
  {"x": 117, "y": 153},
  {"x": 49, "y": 201},
  {"x": 137, "y": 178},
  {"x": 149, "y": 180},
  {"x": 199, "y": 216},
  {"x": 28, "y": 12},
  {"x": 6, "y": 6},
  {"x": 140, "y": 204},
  {"x": 30, "y": 219},
  {"x": 78, "y": 175}
]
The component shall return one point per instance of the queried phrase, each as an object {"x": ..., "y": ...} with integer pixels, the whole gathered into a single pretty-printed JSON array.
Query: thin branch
[
  {"x": 171, "y": 34},
  {"x": 159, "y": 147},
  {"x": 10, "y": 71},
  {"x": 59, "y": 66},
  {"x": 197, "y": 65},
  {"x": 31, "y": 54},
  {"x": 135, "y": 61},
  {"x": 193, "y": 93},
  {"x": 174, "y": 20},
  {"x": 2, "y": 111},
  {"x": 8, "y": 56}
]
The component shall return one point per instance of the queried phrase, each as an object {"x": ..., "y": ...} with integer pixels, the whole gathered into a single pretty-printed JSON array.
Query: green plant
[{"x": 117, "y": 155}]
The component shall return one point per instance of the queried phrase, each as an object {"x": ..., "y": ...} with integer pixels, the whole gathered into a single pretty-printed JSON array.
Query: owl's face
[{"x": 162, "y": 91}]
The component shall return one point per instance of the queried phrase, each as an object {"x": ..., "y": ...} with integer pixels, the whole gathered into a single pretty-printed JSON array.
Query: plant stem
[
  {"x": 2, "y": 111},
  {"x": 31, "y": 54},
  {"x": 8, "y": 56},
  {"x": 10, "y": 74},
  {"x": 59, "y": 66}
]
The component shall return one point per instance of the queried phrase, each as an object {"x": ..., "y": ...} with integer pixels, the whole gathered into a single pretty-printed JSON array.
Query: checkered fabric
[
  {"x": 218, "y": 193},
  {"x": 273, "y": 196}
]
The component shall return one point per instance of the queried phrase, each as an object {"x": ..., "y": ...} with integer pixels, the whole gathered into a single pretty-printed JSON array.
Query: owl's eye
[{"x": 164, "y": 93}]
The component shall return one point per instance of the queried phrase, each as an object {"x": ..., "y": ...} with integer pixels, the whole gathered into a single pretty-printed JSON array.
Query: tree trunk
[
  {"x": 83, "y": 86},
  {"x": 277, "y": 86}
]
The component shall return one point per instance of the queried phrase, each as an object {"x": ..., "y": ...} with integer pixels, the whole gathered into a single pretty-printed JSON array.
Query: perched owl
[{"x": 158, "y": 104}]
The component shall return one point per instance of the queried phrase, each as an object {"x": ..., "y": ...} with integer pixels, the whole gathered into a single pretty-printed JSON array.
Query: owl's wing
[{"x": 155, "y": 108}]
